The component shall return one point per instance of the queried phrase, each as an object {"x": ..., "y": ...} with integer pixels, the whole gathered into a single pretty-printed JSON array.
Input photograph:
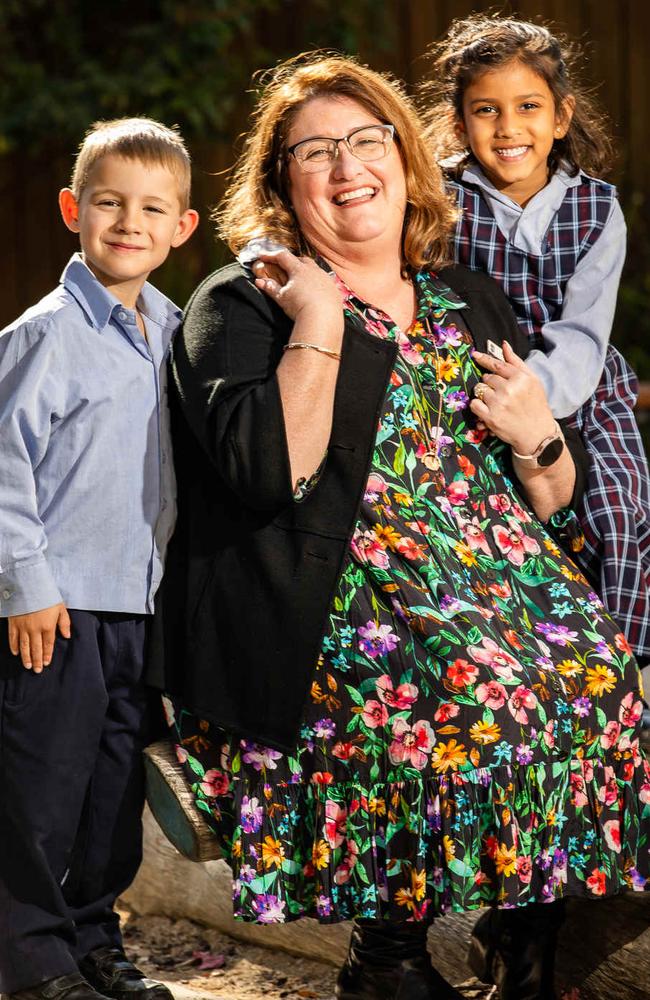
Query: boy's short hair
[{"x": 134, "y": 139}]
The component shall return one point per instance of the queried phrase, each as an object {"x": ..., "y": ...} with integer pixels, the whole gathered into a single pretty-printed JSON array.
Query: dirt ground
[{"x": 198, "y": 961}]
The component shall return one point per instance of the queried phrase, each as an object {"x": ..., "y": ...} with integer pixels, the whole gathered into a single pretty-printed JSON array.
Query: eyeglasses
[{"x": 370, "y": 142}]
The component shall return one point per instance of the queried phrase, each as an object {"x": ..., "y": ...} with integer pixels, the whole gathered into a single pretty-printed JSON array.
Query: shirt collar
[
  {"x": 472, "y": 174},
  {"x": 99, "y": 304}
]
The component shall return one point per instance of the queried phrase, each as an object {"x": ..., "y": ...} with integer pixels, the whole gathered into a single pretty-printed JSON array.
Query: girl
[{"x": 520, "y": 141}]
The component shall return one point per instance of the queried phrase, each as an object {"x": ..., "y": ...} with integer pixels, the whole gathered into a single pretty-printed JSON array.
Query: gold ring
[{"x": 479, "y": 390}]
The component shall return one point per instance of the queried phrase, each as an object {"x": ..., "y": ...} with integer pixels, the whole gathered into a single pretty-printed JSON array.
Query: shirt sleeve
[
  {"x": 28, "y": 406},
  {"x": 576, "y": 343}
]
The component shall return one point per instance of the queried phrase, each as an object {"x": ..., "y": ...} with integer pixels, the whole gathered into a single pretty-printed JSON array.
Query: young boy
[{"x": 87, "y": 496}]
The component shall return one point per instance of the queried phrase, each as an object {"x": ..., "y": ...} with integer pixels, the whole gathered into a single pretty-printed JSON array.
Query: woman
[{"x": 392, "y": 694}]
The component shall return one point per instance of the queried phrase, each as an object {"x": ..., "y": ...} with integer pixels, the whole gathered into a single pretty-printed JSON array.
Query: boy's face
[{"x": 128, "y": 217}]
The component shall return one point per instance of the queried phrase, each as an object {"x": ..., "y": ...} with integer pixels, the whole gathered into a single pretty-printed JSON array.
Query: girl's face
[{"x": 510, "y": 123}]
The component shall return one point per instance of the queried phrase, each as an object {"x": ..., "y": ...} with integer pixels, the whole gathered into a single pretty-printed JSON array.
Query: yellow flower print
[
  {"x": 570, "y": 668},
  {"x": 377, "y": 806},
  {"x": 272, "y": 853},
  {"x": 599, "y": 680},
  {"x": 386, "y": 535},
  {"x": 448, "y": 756},
  {"x": 403, "y": 499},
  {"x": 465, "y": 554},
  {"x": 485, "y": 732},
  {"x": 320, "y": 854},
  {"x": 551, "y": 546},
  {"x": 506, "y": 860},
  {"x": 446, "y": 369},
  {"x": 449, "y": 848}
]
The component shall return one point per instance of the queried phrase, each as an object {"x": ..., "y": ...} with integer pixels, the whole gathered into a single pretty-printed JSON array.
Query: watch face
[{"x": 551, "y": 453}]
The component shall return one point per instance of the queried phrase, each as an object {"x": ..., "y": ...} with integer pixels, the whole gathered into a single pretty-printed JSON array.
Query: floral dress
[{"x": 472, "y": 732}]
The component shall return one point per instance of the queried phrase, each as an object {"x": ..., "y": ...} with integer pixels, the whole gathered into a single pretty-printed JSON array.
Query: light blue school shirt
[
  {"x": 576, "y": 342},
  {"x": 87, "y": 488}
]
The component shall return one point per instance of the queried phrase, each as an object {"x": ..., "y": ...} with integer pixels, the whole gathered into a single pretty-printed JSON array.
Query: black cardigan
[{"x": 250, "y": 572}]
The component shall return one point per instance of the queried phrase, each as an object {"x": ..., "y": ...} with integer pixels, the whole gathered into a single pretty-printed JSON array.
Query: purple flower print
[
  {"x": 581, "y": 707},
  {"x": 324, "y": 729},
  {"x": 524, "y": 754},
  {"x": 456, "y": 400},
  {"x": 251, "y": 814},
  {"x": 260, "y": 756},
  {"x": 376, "y": 640},
  {"x": 559, "y": 634},
  {"x": 269, "y": 909}
]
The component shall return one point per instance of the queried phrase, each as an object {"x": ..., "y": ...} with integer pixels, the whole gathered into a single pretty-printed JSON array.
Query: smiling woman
[{"x": 366, "y": 631}]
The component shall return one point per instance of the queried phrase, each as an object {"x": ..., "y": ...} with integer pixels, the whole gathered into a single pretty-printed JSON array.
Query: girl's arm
[{"x": 577, "y": 341}]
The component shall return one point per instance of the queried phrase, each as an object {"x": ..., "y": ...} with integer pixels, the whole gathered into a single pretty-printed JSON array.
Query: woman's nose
[{"x": 345, "y": 164}]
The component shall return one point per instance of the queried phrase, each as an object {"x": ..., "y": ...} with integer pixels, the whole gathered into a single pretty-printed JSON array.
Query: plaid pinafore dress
[{"x": 615, "y": 511}]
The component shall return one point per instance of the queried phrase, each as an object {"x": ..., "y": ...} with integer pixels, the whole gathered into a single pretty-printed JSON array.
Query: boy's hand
[{"x": 33, "y": 635}]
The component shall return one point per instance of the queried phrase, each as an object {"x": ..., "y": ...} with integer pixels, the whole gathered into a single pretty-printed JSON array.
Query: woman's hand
[
  {"x": 512, "y": 401},
  {"x": 299, "y": 286}
]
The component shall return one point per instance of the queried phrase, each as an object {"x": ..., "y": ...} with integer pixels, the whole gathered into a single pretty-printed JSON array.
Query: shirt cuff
[{"x": 27, "y": 587}]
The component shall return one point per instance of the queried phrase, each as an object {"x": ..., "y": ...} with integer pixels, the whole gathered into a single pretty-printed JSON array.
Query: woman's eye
[{"x": 316, "y": 153}]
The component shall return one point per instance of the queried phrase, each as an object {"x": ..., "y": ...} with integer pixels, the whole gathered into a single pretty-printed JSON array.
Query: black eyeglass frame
[{"x": 389, "y": 129}]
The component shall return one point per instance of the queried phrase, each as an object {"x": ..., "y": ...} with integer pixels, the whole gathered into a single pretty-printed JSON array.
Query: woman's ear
[
  {"x": 563, "y": 116},
  {"x": 69, "y": 207}
]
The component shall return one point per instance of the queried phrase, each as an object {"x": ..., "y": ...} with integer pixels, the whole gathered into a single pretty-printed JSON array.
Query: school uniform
[
  {"x": 87, "y": 494},
  {"x": 559, "y": 260}
]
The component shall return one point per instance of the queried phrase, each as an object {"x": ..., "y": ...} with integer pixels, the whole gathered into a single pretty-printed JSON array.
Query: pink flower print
[
  {"x": 476, "y": 435},
  {"x": 181, "y": 754},
  {"x": 610, "y": 735},
  {"x": 630, "y": 710},
  {"x": 334, "y": 828},
  {"x": 578, "y": 796},
  {"x": 214, "y": 783},
  {"x": 644, "y": 794},
  {"x": 521, "y": 699},
  {"x": 522, "y": 515},
  {"x": 608, "y": 792},
  {"x": 512, "y": 541},
  {"x": 457, "y": 491},
  {"x": 411, "y": 744},
  {"x": 491, "y": 694},
  {"x": 410, "y": 549},
  {"x": 344, "y": 870},
  {"x": 448, "y": 710},
  {"x": 548, "y": 734},
  {"x": 597, "y": 882},
  {"x": 366, "y": 548},
  {"x": 475, "y": 536},
  {"x": 400, "y": 698},
  {"x": 587, "y": 770},
  {"x": 500, "y": 502},
  {"x": 376, "y": 640},
  {"x": 374, "y": 714},
  {"x": 524, "y": 869},
  {"x": 374, "y": 487},
  {"x": 461, "y": 673},
  {"x": 497, "y": 659},
  {"x": 612, "y": 831}
]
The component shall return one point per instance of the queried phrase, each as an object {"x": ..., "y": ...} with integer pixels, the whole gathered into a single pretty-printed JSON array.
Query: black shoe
[
  {"x": 71, "y": 987},
  {"x": 515, "y": 950},
  {"x": 389, "y": 961},
  {"x": 110, "y": 972}
]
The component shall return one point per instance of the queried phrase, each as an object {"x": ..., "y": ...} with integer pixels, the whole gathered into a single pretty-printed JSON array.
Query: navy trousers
[{"x": 71, "y": 795}]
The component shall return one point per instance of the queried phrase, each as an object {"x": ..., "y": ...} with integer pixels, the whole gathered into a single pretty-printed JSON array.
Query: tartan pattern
[{"x": 615, "y": 511}]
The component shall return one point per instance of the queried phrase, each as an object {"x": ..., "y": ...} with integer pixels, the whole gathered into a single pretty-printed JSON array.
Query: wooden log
[{"x": 172, "y": 803}]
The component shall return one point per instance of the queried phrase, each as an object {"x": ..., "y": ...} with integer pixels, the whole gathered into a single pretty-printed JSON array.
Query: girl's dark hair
[{"x": 482, "y": 42}]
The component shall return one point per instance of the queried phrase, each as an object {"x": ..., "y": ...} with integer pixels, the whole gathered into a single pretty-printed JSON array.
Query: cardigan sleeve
[{"x": 224, "y": 367}]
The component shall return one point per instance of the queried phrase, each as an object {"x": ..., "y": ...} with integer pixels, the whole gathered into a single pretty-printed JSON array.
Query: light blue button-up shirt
[
  {"x": 577, "y": 341},
  {"x": 87, "y": 488}
]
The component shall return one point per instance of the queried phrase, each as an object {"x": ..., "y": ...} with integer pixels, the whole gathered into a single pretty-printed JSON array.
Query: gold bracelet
[{"x": 299, "y": 344}]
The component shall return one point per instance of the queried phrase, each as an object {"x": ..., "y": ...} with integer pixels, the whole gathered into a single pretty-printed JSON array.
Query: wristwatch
[{"x": 546, "y": 453}]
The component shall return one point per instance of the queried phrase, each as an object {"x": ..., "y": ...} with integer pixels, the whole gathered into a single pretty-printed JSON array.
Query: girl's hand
[
  {"x": 513, "y": 402},
  {"x": 298, "y": 285}
]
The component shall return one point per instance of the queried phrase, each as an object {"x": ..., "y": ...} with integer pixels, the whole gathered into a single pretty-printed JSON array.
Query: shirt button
[
  {"x": 164, "y": 459},
  {"x": 122, "y": 315},
  {"x": 6, "y": 594}
]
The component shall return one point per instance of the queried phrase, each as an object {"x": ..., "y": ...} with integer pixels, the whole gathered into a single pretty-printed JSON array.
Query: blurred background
[{"x": 66, "y": 63}]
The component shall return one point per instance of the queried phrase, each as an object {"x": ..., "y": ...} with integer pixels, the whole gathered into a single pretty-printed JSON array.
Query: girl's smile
[{"x": 510, "y": 122}]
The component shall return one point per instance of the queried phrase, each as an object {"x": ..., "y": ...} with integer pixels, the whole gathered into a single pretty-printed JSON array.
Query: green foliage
[{"x": 66, "y": 63}]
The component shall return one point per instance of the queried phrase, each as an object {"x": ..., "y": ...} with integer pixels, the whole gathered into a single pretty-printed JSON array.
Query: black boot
[
  {"x": 388, "y": 960},
  {"x": 515, "y": 950}
]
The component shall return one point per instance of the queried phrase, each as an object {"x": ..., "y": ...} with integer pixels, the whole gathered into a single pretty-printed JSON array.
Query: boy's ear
[
  {"x": 459, "y": 130},
  {"x": 564, "y": 116},
  {"x": 69, "y": 207},
  {"x": 186, "y": 225}
]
